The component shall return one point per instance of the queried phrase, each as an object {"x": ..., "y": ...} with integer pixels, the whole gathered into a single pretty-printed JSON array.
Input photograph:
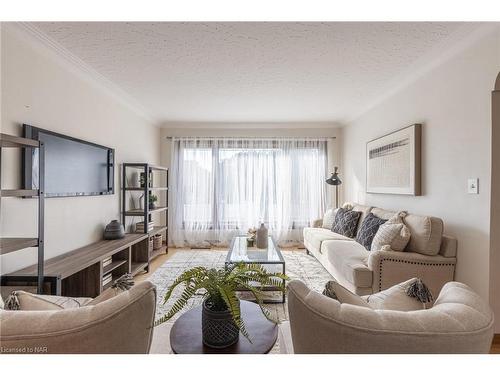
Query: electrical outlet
[{"x": 473, "y": 186}]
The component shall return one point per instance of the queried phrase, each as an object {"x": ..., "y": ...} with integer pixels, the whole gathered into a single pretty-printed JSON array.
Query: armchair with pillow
[
  {"x": 381, "y": 248},
  {"x": 392, "y": 321},
  {"x": 115, "y": 322}
]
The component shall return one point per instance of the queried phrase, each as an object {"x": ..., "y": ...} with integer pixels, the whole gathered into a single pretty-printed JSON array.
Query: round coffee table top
[{"x": 186, "y": 336}]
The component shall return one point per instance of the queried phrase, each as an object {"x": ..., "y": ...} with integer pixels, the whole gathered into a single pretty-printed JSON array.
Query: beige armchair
[
  {"x": 458, "y": 322},
  {"x": 120, "y": 324}
]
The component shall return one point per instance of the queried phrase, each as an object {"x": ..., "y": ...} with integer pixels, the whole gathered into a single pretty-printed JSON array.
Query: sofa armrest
[
  {"x": 318, "y": 223},
  {"x": 392, "y": 267}
]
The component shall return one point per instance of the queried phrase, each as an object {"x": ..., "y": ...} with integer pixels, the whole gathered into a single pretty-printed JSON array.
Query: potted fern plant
[{"x": 221, "y": 316}]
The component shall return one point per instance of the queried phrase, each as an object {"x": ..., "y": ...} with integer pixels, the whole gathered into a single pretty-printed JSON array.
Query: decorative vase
[
  {"x": 250, "y": 242},
  {"x": 262, "y": 234},
  {"x": 114, "y": 230},
  {"x": 218, "y": 328}
]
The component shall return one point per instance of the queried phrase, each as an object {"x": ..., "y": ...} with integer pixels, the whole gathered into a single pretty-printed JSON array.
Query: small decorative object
[
  {"x": 114, "y": 230},
  {"x": 262, "y": 234},
  {"x": 252, "y": 233},
  {"x": 393, "y": 162},
  {"x": 335, "y": 181},
  {"x": 221, "y": 316},
  {"x": 142, "y": 179},
  {"x": 152, "y": 201},
  {"x": 151, "y": 244},
  {"x": 157, "y": 241}
]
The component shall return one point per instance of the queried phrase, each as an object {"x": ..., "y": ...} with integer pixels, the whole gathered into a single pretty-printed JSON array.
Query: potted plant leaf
[
  {"x": 221, "y": 315},
  {"x": 152, "y": 201}
]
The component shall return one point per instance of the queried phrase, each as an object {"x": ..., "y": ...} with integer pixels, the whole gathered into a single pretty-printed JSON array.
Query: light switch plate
[{"x": 473, "y": 186}]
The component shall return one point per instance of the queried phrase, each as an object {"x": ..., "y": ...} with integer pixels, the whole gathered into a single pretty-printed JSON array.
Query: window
[{"x": 229, "y": 185}]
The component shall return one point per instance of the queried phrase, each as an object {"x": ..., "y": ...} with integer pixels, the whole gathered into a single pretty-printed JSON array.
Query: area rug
[{"x": 299, "y": 266}]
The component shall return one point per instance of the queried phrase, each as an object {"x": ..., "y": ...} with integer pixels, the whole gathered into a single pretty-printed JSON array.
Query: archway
[{"x": 495, "y": 204}]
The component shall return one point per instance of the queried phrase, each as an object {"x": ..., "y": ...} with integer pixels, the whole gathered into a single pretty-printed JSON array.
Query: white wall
[
  {"x": 41, "y": 89},
  {"x": 453, "y": 101}
]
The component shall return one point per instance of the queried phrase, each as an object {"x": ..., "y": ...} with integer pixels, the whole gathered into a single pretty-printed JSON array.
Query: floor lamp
[{"x": 335, "y": 181}]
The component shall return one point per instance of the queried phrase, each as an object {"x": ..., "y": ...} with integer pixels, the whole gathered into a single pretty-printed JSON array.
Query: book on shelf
[
  {"x": 139, "y": 227},
  {"x": 106, "y": 262},
  {"x": 106, "y": 279}
]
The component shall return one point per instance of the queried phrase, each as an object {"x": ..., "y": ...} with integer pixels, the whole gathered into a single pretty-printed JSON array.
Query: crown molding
[
  {"x": 39, "y": 39},
  {"x": 433, "y": 62}
]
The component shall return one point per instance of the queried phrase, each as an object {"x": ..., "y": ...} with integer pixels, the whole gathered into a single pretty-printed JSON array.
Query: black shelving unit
[
  {"x": 146, "y": 188},
  {"x": 11, "y": 244}
]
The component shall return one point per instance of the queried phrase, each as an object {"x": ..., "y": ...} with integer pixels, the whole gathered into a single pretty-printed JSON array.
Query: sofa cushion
[
  {"x": 426, "y": 231},
  {"x": 383, "y": 214},
  {"x": 329, "y": 218},
  {"x": 346, "y": 222},
  {"x": 349, "y": 258},
  {"x": 365, "y": 210},
  {"x": 316, "y": 236},
  {"x": 368, "y": 229}
]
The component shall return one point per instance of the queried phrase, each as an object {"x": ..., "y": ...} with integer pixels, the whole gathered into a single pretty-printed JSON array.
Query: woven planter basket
[
  {"x": 218, "y": 328},
  {"x": 157, "y": 241}
]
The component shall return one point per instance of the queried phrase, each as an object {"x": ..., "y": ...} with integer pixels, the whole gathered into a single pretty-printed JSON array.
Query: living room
[{"x": 259, "y": 187}]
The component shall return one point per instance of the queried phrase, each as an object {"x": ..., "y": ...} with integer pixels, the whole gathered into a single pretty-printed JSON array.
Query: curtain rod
[{"x": 255, "y": 138}]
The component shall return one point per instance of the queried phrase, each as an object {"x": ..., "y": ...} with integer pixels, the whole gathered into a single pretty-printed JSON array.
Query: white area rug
[{"x": 299, "y": 266}]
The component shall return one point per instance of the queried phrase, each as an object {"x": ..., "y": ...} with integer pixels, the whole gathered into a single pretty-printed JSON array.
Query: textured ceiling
[{"x": 254, "y": 72}]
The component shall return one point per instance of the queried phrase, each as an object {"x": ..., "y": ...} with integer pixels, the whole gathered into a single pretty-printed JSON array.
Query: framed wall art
[{"x": 393, "y": 164}]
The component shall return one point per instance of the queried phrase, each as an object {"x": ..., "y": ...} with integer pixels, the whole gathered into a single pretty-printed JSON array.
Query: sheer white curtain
[{"x": 223, "y": 187}]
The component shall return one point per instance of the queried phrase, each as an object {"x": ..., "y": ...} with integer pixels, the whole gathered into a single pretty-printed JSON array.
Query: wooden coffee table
[{"x": 186, "y": 336}]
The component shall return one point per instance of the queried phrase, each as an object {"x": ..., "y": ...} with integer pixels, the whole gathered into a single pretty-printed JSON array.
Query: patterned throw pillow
[
  {"x": 393, "y": 235},
  {"x": 368, "y": 229},
  {"x": 346, "y": 222},
  {"x": 329, "y": 218}
]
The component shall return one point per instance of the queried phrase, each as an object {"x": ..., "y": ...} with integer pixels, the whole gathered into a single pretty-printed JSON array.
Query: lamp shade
[{"x": 334, "y": 178}]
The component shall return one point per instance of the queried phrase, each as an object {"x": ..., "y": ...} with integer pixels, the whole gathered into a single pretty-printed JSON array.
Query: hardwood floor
[
  {"x": 495, "y": 347},
  {"x": 157, "y": 262}
]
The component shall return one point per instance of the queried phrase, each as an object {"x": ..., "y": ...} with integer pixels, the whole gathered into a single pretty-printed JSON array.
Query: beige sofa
[
  {"x": 430, "y": 255},
  {"x": 459, "y": 322},
  {"x": 121, "y": 324}
]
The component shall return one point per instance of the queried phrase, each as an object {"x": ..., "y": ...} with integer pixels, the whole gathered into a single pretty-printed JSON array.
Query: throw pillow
[
  {"x": 329, "y": 218},
  {"x": 409, "y": 295},
  {"x": 368, "y": 229},
  {"x": 336, "y": 291},
  {"x": 395, "y": 298},
  {"x": 393, "y": 234},
  {"x": 21, "y": 300},
  {"x": 346, "y": 222}
]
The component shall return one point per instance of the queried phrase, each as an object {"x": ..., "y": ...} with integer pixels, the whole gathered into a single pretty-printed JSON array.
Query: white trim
[{"x": 39, "y": 39}]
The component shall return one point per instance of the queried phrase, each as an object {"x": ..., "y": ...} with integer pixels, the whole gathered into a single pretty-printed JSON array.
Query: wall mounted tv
[{"x": 73, "y": 167}]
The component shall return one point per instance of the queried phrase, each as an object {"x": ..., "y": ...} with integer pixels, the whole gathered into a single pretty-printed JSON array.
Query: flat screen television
[{"x": 73, "y": 167}]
